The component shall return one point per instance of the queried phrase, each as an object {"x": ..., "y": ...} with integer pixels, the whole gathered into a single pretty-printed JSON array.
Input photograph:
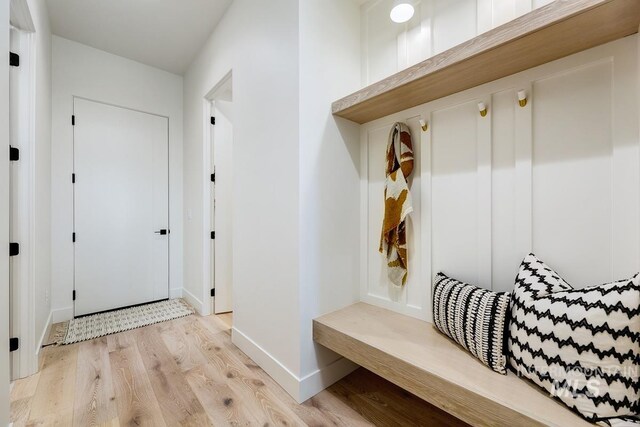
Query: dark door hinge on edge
[
  {"x": 213, "y": 235},
  {"x": 14, "y": 59},
  {"x": 73, "y": 178},
  {"x": 14, "y": 249},
  {"x": 213, "y": 120},
  {"x": 73, "y": 237},
  {"x": 74, "y": 295},
  {"x": 73, "y": 120},
  {"x": 14, "y": 344},
  {"x": 14, "y": 154},
  {"x": 213, "y": 177},
  {"x": 213, "y": 292}
]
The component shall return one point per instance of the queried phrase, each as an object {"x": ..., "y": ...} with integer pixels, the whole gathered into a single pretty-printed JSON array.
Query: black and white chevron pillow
[
  {"x": 581, "y": 345},
  {"x": 473, "y": 317}
]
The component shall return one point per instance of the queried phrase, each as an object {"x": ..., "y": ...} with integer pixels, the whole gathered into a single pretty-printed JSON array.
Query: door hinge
[
  {"x": 14, "y": 154},
  {"x": 73, "y": 178},
  {"x": 74, "y": 295},
  {"x": 73, "y": 120},
  {"x": 213, "y": 177},
  {"x": 213, "y": 235},
  {"x": 213, "y": 120},
  {"x": 14, "y": 249},
  {"x": 14, "y": 59},
  {"x": 14, "y": 344},
  {"x": 73, "y": 237},
  {"x": 213, "y": 292}
]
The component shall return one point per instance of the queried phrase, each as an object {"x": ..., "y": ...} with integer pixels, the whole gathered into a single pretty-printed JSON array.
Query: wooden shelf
[
  {"x": 413, "y": 355},
  {"x": 554, "y": 31}
]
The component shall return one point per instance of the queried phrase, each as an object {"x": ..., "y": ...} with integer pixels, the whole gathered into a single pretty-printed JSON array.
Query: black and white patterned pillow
[
  {"x": 581, "y": 345},
  {"x": 473, "y": 317}
]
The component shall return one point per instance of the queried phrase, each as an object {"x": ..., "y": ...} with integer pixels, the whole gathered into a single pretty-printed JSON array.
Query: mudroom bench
[{"x": 412, "y": 354}]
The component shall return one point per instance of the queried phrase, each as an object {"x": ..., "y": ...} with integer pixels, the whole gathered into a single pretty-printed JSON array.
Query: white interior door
[
  {"x": 15, "y": 235},
  {"x": 222, "y": 138},
  {"x": 23, "y": 361},
  {"x": 4, "y": 218},
  {"x": 121, "y": 204}
]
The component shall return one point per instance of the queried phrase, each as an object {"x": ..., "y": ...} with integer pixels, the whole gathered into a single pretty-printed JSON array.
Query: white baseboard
[
  {"x": 193, "y": 300},
  {"x": 61, "y": 315},
  {"x": 300, "y": 389},
  {"x": 45, "y": 332},
  {"x": 315, "y": 382},
  {"x": 283, "y": 376},
  {"x": 44, "y": 335},
  {"x": 175, "y": 293}
]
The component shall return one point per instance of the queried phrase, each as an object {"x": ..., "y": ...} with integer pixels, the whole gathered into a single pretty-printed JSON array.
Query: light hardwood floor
[{"x": 188, "y": 372}]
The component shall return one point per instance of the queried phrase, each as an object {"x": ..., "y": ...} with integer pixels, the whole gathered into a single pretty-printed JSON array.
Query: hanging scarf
[{"x": 397, "y": 203}]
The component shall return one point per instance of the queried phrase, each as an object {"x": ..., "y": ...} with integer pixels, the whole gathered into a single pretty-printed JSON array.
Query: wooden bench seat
[{"x": 412, "y": 354}]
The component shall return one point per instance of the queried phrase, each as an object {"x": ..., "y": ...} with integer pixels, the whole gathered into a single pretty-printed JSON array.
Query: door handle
[{"x": 162, "y": 232}]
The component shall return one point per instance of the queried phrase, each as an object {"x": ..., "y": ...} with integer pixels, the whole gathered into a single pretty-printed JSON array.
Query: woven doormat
[{"x": 99, "y": 325}]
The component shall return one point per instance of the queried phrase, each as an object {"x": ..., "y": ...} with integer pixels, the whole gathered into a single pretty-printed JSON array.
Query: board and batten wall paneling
[
  {"x": 437, "y": 25},
  {"x": 572, "y": 173},
  {"x": 379, "y": 289},
  {"x": 585, "y": 173},
  {"x": 454, "y": 191},
  {"x": 453, "y": 22},
  {"x": 625, "y": 163},
  {"x": 560, "y": 177},
  {"x": 504, "y": 255}
]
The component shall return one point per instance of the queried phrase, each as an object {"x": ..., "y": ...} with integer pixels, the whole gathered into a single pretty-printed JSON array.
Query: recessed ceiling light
[{"x": 401, "y": 12}]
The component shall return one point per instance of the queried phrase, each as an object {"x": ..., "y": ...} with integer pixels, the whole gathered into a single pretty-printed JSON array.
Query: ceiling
[{"x": 166, "y": 34}]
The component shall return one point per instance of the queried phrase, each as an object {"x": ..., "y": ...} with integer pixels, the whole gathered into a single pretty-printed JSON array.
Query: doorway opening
[{"x": 218, "y": 196}]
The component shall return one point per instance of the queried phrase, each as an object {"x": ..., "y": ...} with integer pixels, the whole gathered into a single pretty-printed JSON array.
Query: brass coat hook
[
  {"x": 522, "y": 98},
  {"x": 482, "y": 108}
]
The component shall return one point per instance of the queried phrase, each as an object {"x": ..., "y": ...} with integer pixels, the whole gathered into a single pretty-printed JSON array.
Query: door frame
[
  {"x": 73, "y": 198},
  {"x": 25, "y": 360},
  {"x": 4, "y": 217},
  {"x": 222, "y": 86}
]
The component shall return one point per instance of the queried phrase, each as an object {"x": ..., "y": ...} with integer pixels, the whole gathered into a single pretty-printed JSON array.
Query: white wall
[
  {"x": 79, "y": 70},
  {"x": 4, "y": 216},
  {"x": 559, "y": 177},
  {"x": 438, "y": 25},
  {"x": 260, "y": 45},
  {"x": 296, "y": 180},
  {"x": 41, "y": 251},
  {"x": 329, "y": 179}
]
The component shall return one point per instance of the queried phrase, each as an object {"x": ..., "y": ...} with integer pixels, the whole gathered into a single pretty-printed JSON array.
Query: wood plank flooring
[{"x": 187, "y": 372}]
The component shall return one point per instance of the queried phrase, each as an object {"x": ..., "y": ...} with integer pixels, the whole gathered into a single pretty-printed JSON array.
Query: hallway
[{"x": 188, "y": 372}]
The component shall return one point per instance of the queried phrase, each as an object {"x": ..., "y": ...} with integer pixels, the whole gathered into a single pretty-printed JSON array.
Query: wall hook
[
  {"x": 424, "y": 125},
  {"x": 482, "y": 108},
  {"x": 522, "y": 98}
]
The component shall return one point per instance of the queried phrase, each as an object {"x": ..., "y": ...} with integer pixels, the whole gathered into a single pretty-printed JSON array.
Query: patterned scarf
[{"x": 397, "y": 203}]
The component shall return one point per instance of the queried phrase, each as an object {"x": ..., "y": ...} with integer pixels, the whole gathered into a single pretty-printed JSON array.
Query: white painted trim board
[
  {"x": 195, "y": 302},
  {"x": 300, "y": 389}
]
